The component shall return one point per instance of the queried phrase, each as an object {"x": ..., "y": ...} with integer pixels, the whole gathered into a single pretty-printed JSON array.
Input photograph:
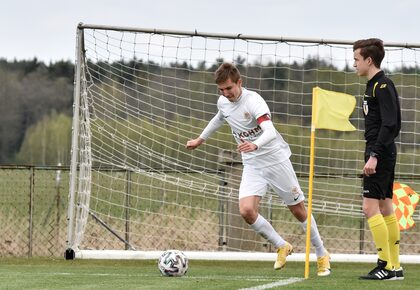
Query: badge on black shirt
[{"x": 365, "y": 105}]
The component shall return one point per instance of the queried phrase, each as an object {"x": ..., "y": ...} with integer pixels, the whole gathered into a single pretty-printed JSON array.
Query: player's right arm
[
  {"x": 194, "y": 143},
  {"x": 211, "y": 127}
]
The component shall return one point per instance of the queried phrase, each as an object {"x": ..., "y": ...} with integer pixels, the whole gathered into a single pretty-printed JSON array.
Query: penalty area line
[{"x": 275, "y": 284}]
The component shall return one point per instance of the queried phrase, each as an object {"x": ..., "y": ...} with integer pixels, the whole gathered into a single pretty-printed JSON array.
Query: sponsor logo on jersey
[
  {"x": 296, "y": 193},
  {"x": 249, "y": 134}
]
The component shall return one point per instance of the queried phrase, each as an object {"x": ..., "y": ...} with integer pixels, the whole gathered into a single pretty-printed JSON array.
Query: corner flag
[
  {"x": 404, "y": 201},
  {"x": 331, "y": 110}
]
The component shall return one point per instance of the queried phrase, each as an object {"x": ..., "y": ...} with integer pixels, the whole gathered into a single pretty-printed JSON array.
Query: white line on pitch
[{"x": 275, "y": 284}]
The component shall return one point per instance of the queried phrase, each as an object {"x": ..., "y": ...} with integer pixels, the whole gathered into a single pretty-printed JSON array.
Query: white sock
[
  {"x": 266, "y": 230},
  {"x": 315, "y": 237}
]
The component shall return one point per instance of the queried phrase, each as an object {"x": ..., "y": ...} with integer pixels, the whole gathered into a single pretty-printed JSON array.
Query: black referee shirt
[{"x": 381, "y": 109}]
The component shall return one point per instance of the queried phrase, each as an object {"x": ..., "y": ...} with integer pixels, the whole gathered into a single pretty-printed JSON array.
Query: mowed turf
[{"x": 44, "y": 273}]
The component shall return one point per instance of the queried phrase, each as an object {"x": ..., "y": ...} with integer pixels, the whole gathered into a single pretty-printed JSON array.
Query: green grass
[{"x": 43, "y": 273}]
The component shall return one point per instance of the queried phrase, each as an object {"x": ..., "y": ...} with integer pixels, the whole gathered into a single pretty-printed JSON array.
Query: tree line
[
  {"x": 37, "y": 98},
  {"x": 30, "y": 91}
]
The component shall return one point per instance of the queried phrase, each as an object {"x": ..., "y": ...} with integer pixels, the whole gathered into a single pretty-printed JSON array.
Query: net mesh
[{"x": 143, "y": 95}]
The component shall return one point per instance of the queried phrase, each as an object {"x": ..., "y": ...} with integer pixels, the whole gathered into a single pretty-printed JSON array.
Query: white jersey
[{"x": 242, "y": 118}]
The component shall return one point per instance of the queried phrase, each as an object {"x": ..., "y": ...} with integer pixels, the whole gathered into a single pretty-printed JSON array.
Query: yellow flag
[{"x": 331, "y": 110}]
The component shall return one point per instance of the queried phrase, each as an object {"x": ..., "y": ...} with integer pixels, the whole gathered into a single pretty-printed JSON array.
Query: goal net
[{"x": 141, "y": 94}]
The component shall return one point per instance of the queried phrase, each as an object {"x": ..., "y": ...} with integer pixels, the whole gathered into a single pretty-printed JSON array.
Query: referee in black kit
[{"x": 382, "y": 114}]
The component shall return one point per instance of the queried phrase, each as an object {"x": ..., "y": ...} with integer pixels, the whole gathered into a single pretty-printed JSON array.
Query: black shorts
[{"x": 380, "y": 184}]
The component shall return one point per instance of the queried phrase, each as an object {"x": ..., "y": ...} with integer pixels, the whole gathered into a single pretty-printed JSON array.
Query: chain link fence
[
  {"x": 33, "y": 210},
  {"x": 33, "y": 215}
]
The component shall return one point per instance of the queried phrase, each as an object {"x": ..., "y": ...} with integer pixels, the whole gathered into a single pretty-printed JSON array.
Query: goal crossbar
[{"x": 323, "y": 41}]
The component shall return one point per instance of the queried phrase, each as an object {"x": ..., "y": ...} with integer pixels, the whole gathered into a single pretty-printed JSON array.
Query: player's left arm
[
  {"x": 269, "y": 133},
  {"x": 387, "y": 100}
]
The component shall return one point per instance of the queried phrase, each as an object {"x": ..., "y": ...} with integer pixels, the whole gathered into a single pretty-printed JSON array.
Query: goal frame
[{"x": 73, "y": 252}]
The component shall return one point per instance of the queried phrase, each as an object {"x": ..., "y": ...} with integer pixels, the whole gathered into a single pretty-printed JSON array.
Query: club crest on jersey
[
  {"x": 247, "y": 115},
  {"x": 365, "y": 107}
]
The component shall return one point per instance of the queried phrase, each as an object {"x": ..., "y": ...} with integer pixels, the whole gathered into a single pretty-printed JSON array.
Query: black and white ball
[{"x": 173, "y": 263}]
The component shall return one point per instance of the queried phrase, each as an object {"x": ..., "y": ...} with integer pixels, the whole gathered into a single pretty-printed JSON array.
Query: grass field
[{"x": 44, "y": 273}]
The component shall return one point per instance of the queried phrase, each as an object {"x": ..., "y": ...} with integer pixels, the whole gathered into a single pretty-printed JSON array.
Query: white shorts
[{"x": 280, "y": 177}]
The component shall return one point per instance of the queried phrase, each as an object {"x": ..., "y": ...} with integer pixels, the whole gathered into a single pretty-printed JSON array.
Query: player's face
[
  {"x": 361, "y": 64},
  {"x": 230, "y": 90}
]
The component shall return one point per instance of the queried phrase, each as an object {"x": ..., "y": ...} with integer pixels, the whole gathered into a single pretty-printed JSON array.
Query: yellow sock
[
  {"x": 394, "y": 239},
  {"x": 379, "y": 232}
]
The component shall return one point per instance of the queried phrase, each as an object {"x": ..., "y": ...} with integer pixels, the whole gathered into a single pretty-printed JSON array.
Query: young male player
[
  {"x": 382, "y": 114},
  {"x": 265, "y": 157}
]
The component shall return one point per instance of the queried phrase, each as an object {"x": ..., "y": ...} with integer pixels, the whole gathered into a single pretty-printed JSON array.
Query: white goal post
[{"x": 140, "y": 94}]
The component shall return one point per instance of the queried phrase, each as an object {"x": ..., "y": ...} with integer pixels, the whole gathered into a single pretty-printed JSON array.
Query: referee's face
[
  {"x": 360, "y": 63},
  {"x": 230, "y": 90}
]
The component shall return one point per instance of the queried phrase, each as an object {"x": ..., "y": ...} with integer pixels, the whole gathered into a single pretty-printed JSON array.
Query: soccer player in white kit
[{"x": 265, "y": 156}]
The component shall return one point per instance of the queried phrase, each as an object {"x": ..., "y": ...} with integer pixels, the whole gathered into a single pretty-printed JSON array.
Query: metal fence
[
  {"x": 33, "y": 212},
  {"x": 33, "y": 204}
]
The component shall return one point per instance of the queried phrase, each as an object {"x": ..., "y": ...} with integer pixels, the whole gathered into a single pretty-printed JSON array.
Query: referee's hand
[{"x": 370, "y": 166}]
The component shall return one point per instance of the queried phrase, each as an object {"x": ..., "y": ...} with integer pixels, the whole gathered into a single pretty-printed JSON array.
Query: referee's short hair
[{"x": 373, "y": 48}]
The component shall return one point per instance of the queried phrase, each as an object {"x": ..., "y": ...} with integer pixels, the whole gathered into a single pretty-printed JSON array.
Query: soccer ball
[{"x": 173, "y": 263}]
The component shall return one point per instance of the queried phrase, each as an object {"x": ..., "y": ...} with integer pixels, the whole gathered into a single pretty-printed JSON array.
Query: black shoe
[
  {"x": 399, "y": 273},
  {"x": 380, "y": 273}
]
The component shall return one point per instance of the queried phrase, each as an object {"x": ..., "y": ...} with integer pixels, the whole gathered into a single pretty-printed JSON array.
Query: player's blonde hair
[{"x": 227, "y": 71}]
